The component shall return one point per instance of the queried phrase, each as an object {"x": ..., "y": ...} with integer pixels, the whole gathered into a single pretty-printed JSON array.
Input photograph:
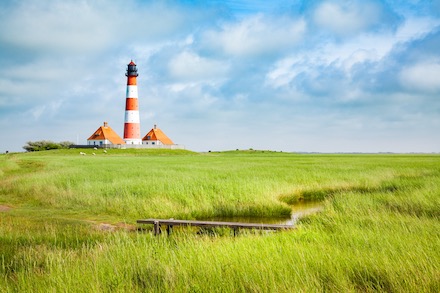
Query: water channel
[{"x": 299, "y": 210}]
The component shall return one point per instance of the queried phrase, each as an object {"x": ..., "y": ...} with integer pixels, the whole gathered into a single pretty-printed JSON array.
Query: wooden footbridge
[{"x": 207, "y": 224}]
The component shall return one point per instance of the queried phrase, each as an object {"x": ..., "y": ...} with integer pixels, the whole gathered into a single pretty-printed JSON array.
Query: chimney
[
  {"x": 154, "y": 126},
  {"x": 105, "y": 124}
]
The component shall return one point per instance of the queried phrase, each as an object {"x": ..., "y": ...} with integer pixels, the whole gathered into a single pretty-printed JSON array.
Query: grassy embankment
[{"x": 378, "y": 231}]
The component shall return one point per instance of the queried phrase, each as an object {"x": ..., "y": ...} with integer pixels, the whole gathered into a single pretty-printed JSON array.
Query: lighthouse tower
[{"x": 132, "y": 131}]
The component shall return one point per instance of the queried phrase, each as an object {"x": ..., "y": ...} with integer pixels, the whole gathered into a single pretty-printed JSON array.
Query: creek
[{"x": 299, "y": 210}]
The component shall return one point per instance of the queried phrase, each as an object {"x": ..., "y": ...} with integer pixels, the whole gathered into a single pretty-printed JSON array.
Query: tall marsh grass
[{"x": 378, "y": 230}]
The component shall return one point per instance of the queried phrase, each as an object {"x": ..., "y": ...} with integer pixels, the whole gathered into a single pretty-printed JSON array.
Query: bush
[{"x": 42, "y": 145}]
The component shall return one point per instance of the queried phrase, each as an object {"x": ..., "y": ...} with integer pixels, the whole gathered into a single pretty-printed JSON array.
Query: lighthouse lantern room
[{"x": 132, "y": 131}]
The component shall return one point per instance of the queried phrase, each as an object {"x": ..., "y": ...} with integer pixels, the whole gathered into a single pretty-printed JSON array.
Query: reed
[{"x": 378, "y": 230}]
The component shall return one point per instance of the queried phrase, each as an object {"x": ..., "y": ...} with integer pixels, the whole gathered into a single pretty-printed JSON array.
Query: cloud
[
  {"x": 418, "y": 64},
  {"x": 188, "y": 66},
  {"x": 54, "y": 26},
  {"x": 345, "y": 18},
  {"x": 423, "y": 77},
  {"x": 255, "y": 36},
  {"x": 75, "y": 27},
  {"x": 360, "y": 64},
  {"x": 403, "y": 68}
]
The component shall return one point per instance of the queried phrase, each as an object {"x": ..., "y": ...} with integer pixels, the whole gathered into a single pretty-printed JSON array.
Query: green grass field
[{"x": 67, "y": 222}]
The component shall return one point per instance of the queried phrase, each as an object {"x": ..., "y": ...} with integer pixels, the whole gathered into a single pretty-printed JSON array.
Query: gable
[
  {"x": 106, "y": 133},
  {"x": 157, "y": 134}
]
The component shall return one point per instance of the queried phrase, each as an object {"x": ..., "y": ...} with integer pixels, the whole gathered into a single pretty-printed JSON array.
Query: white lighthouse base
[{"x": 133, "y": 141}]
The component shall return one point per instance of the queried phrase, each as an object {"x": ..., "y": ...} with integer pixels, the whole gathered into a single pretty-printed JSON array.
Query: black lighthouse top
[{"x": 131, "y": 69}]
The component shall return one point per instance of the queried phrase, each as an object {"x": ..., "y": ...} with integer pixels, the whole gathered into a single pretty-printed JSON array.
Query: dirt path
[
  {"x": 4, "y": 208},
  {"x": 111, "y": 227}
]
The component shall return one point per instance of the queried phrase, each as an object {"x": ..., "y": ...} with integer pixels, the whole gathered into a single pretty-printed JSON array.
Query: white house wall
[
  {"x": 152, "y": 142},
  {"x": 98, "y": 142}
]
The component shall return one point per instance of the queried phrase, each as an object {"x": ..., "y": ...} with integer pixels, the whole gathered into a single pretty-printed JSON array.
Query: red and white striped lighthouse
[{"x": 132, "y": 131}]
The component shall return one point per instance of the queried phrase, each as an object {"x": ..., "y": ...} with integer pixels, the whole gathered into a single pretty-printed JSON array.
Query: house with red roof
[
  {"x": 156, "y": 137},
  {"x": 105, "y": 136}
]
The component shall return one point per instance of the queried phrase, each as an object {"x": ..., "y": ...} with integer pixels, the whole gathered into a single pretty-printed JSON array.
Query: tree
[{"x": 42, "y": 145}]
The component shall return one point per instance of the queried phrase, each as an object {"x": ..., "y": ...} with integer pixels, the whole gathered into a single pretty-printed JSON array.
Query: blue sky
[{"x": 312, "y": 76}]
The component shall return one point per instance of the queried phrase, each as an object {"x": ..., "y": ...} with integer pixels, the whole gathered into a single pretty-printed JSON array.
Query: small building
[
  {"x": 156, "y": 137},
  {"x": 105, "y": 136}
]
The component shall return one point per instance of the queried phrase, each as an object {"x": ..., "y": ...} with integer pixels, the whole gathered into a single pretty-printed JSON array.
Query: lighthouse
[{"x": 132, "y": 131}]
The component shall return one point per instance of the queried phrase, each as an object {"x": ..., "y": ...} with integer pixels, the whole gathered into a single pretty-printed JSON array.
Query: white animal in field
[
  {"x": 95, "y": 148},
  {"x": 94, "y": 154},
  {"x": 105, "y": 151},
  {"x": 82, "y": 154}
]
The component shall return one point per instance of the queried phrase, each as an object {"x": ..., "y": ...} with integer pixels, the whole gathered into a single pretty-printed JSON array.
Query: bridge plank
[{"x": 233, "y": 225}]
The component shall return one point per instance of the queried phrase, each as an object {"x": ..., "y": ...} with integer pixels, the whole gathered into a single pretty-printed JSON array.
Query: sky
[{"x": 292, "y": 76}]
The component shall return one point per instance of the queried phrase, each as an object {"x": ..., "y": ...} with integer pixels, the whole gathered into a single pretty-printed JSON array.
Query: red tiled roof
[
  {"x": 157, "y": 134},
  {"x": 106, "y": 132}
]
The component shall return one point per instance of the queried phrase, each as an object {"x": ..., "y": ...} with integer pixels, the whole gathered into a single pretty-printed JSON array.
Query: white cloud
[
  {"x": 60, "y": 27},
  {"x": 359, "y": 56},
  {"x": 415, "y": 27},
  {"x": 364, "y": 48},
  {"x": 284, "y": 71},
  {"x": 256, "y": 35},
  {"x": 43, "y": 70},
  {"x": 347, "y": 17},
  {"x": 36, "y": 112},
  {"x": 48, "y": 110},
  {"x": 188, "y": 66},
  {"x": 423, "y": 77},
  {"x": 57, "y": 25}
]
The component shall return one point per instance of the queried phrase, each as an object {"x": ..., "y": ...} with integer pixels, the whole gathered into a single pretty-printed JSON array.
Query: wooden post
[
  {"x": 156, "y": 228},
  {"x": 169, "y": 229},
  {"x": 169, "y": 226}
]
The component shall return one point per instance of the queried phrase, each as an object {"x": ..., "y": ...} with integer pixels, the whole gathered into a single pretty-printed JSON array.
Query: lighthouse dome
[{"x": 131, "y": 69}]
